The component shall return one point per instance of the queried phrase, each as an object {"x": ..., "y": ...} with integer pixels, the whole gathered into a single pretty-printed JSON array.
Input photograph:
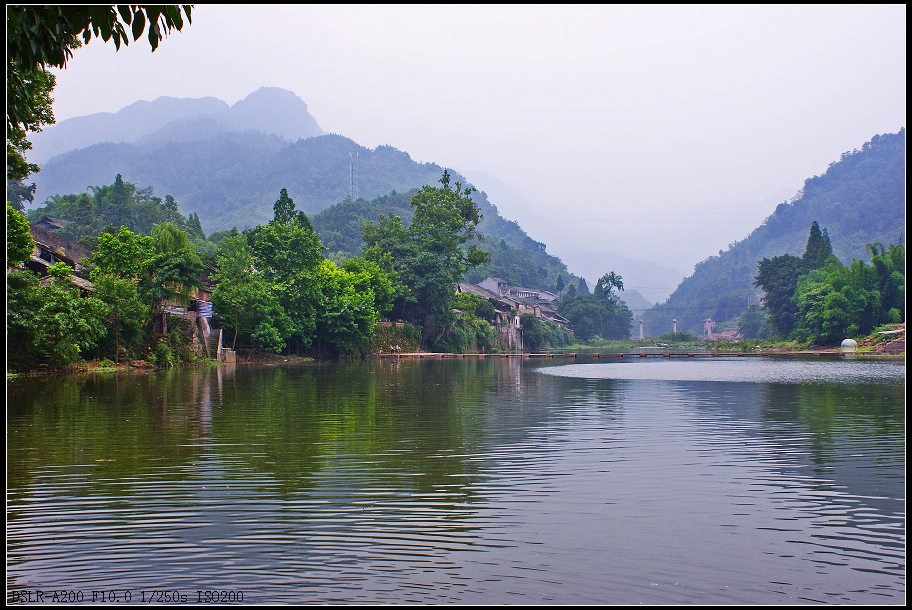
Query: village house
[
  {"x": 503, "y": 288},
  {"x": 516, "y": 300},
  {"x": 50, "y": 249}
]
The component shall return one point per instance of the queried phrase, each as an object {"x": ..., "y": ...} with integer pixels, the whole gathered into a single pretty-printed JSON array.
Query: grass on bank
[{"x": 866, "y": 344}]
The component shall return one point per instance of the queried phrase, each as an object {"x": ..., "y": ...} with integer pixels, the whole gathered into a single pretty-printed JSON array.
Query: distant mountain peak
[
  {"x": 270, "y": 110},
  {"x": 271, "y": 94},
  {"x": 274, "y": 110}
]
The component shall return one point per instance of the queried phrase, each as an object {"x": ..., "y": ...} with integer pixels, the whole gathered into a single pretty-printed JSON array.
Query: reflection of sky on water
[{"x": 737, "y": 369}]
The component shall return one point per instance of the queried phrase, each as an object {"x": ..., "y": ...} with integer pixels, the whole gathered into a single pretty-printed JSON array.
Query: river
[{"x": 489, "y": 481}]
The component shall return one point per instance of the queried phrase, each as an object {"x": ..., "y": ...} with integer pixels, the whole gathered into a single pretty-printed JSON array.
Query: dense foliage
[
  {"x": 860, "y": 199},
  {"x": 818, "y": 299},
  {"x": 470, "y": 330},
  {"x": 19, "y": 242},
  {"x": 275, "y": 289},
  {"x": 431, "y": 254},
  {"x": 514, "y": 256},
  {"x": 47, "y": 322},
  {"x": 538, "y": 334},
  {"x": 778, "y": 277},
  {"x": 29, "y": 109},
  {"x": 115, "y": 205},
  {"x": 600, "y": 315}
]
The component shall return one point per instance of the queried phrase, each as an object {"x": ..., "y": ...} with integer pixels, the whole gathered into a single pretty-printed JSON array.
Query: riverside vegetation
[
  {"x": 276, "y": 291},
  {"x": 817, "y": 299},
  {"x": 274, "y": 288}
]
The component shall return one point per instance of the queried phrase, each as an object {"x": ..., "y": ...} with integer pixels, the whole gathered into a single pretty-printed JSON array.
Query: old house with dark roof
[{"x": 50, "y": 249}]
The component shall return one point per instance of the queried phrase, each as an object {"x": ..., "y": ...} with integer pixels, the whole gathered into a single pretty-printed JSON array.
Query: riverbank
[
  {"x": 623, "y": 350},
  {"x": 144, "y": 366},
  {"x": 874, "y": 343}
]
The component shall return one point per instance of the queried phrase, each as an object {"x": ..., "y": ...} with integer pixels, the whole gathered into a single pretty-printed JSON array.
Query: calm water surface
[{"x": 469, "y": 481}]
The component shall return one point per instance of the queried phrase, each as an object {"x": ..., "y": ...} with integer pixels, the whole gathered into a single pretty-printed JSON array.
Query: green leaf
[
  {"x": 125, "y": 14},
  {"x": 139, "y": 23},
  {"x": 154, "y": 34}
]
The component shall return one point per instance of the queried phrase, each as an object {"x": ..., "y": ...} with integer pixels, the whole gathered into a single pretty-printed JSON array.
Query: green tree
[
  {"x": 778, "y": 277},
  {"x": 172, "y": 272},
  {"x": 818, "y": 248},
  {"x": 19, "y": 193},
  {"x": 34, "y": 86},
  {"x": 284, "y": 212},
  {"x": 19, "y": 242},
  {"x": 286, "y": 246},
  {"x": 128, "y": 317},
  {"x": 288, "y": 253},
  {"x": 22, "y": 301},
  {"x": 377, "y": 277},
  {"x": 608, "y": 282},
  {"x": 252, "y": 308},
  {"x": 194, "y": 227},
  {"x": 66, "y": 326},
  {"x": 594, "y": 315},
  {"x": 753, "y": 324},
  {"x": 534, "y": 334},
  {"x": 345, "y": 316},
  {"x": 538, "y": 334},
  {"x": 889, "y": 278},
  {"x": 601, "y": 313},
  {"x": 248, "y": 302},
  {"x": 429, "y": 254},
  {"x": 828, "y": 305},
  {"x": 582, "y": 287},
  {"x": 118, "y": 204},
  {"x": 123, "y": 254}
]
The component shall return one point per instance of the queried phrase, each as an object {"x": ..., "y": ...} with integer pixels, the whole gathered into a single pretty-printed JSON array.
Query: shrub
[{"x": 162, "y": 355}]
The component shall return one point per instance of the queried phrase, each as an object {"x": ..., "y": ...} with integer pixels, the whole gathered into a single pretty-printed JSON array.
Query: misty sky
[{"x": 656, "y": 132}]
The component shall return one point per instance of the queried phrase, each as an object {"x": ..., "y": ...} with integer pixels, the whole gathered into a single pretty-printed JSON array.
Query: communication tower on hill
[{"x": 353, "y": 193}]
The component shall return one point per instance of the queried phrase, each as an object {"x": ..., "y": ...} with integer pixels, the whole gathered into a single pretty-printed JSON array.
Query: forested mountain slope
[
  {"x": 515, "y": 256},
  {"x": 228, "y": 165},
  {"x": 232, "y": 178},
  {"x": 860, "y": 199}
]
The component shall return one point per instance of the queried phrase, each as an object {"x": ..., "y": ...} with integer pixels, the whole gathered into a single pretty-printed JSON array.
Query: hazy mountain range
[
  {"x": 268, "y": 110},
  {"x": 228, "y": 164}
]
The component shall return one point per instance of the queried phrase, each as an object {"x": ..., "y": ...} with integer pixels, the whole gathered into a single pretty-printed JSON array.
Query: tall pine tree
[{"x": 818, "y": 248}]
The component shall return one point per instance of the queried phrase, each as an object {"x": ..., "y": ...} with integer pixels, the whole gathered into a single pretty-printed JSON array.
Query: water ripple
[{"x": 528, "y": 488}]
